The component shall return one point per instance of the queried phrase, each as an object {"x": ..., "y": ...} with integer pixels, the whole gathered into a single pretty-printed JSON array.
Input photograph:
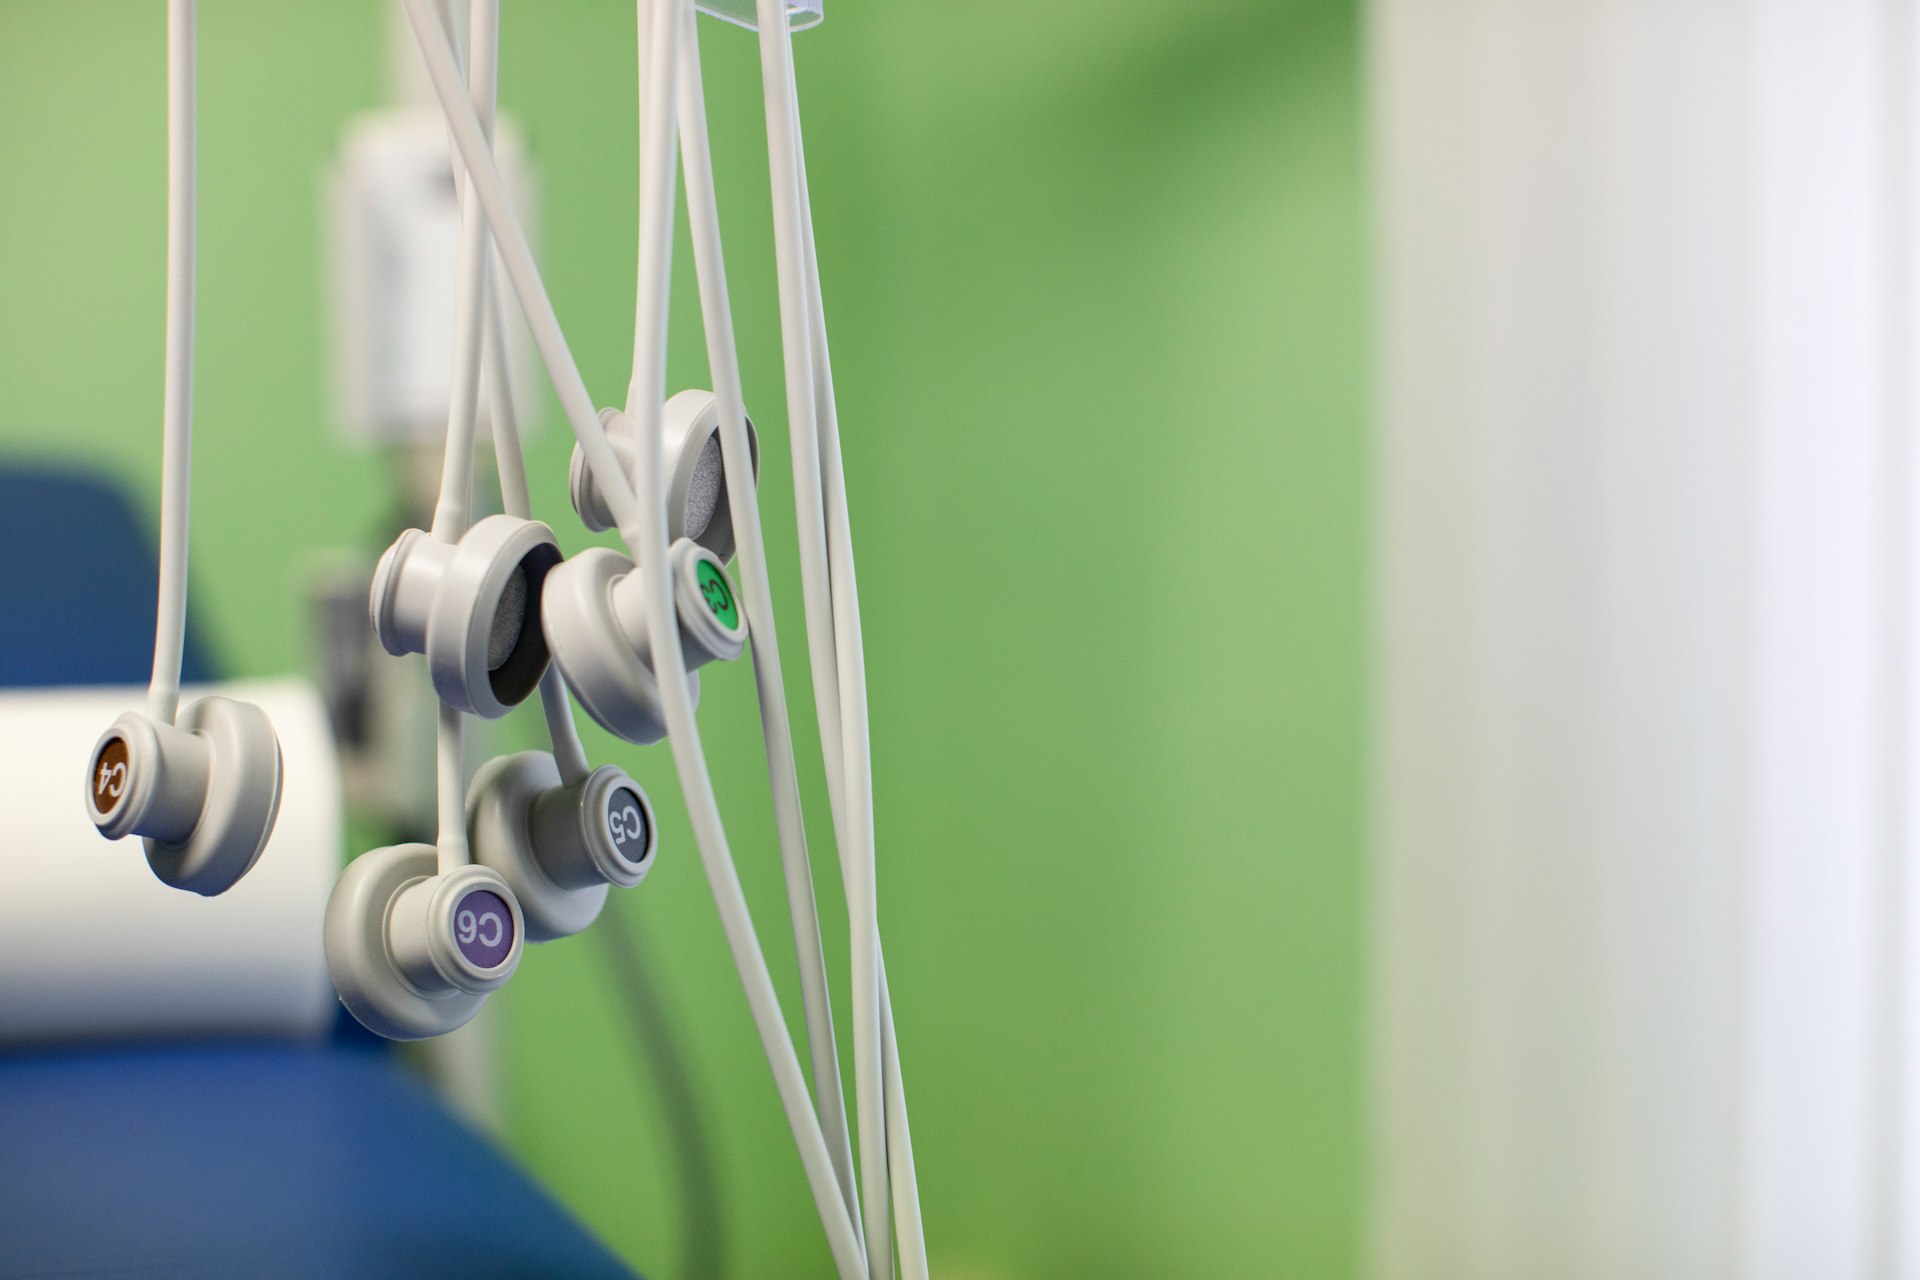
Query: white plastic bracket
[{"x": 801, "y": 14}]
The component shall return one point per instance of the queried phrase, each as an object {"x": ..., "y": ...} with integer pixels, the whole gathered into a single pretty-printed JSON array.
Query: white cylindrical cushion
[{"x": 92, "y": 945}]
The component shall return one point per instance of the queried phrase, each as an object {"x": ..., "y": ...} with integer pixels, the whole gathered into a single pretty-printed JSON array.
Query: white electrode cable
[
  {"x": 723, "y": 360},
  {"x": 647, "y": 394},
  {"x": 653, "y": 100},
  {"x": 909, "y": 1225},
  {"x": 523, "y": 275},
  {"x": 836, "y": 583},
  {"x": 658, "y": 37},
  {"x": 640, "y": 999},
  {"x": 907, "y": 1221},
  {"x": 802, "y": 439},
  {"x": 450, "y": 783},
  {"x": 510, "y": 462},
  {"x": 452, "y": 512},
  {"x": 483, "y": 82},
  {"x": 665, "y": 24},
  {"x": 827, "y": 649},
  {"x": 638, "y": 532},
  {"x": 569, "y": 753},
  {"x": 176, "y": 424}
]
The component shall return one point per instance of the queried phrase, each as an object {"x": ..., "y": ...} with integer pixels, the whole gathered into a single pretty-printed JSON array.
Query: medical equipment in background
[{"x": 417, "y": 935}]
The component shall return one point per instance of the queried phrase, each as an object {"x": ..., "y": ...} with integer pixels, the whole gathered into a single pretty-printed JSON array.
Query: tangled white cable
[
  {"x": 641, "y": 535},
  {"x": 835, "y": 646},
  {"x": 626, "y": 632},
  {"x": 418, "y": 935}
]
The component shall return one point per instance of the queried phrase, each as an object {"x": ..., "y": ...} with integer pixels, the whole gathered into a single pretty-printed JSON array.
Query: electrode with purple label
[{"x": 483, "y": 928}]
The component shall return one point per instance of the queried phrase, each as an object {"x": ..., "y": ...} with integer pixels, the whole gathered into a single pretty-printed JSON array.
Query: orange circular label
[{"x": 110, "y": 775}]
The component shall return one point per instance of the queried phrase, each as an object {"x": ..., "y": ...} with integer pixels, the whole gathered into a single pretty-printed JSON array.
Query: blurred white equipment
[
  {"x": 201, "y": 784},
  {"x": 395, "y": 215},
  {"x": 1645, "y": 934}
]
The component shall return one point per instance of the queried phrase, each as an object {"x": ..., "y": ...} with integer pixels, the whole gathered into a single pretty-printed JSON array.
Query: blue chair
[
  {"x": 222, "y": 1159},
  {"x": 79, "y": 610}
]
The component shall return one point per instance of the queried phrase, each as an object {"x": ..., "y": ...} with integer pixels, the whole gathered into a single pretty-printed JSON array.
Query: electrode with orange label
[{"x": 200, "y": 786}]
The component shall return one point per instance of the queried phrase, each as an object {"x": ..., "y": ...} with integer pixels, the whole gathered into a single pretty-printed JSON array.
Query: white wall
[{"x": 1645, "y": 927}]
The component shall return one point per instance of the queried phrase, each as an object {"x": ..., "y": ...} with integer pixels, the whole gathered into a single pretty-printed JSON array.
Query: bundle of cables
[
  {"x": 872, "y": 1217},
  {"x": 417, "y": 935}
]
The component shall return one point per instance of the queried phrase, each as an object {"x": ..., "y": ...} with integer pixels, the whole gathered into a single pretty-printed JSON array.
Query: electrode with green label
[{"x": 718, "y": 593}]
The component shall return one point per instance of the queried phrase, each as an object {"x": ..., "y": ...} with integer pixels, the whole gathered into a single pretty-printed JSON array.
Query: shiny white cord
[
  {"x": 523, "y": 275},
  {"x": 802, "y": 438},
  {"x": 909, "y": 1225},
  {"x": 176, "y": 426},
  {"x": 723, "y": 360},
  {"x": 450, "y": 783},
  {"x": 644, "y": 535},
  {"x": 833, "y": 635},
  {"x": 659, "y": 43},
  {"x": 509, "y": 459},
  {"x": 647, "y": 392},
  {"x": 900, "y": 1166},
  {"x": 654, "y": 100},
  {"x": 569, "y": 753},
  {"x": 452, "y": 513}
]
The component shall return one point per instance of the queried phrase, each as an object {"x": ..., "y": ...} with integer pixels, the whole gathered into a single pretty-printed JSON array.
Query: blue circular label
[
  {"x": 483, "y": 928},
  {"x": 627, "y": 824}
]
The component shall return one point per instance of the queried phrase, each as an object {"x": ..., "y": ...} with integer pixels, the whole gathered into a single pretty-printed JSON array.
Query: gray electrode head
[
  {"x": 473, "y": 607},
  {"x": 414, "y": 953},
  {"x": 202, "y": 792},
  {"x": 559, "y": 847},
  {"x": 594, "y": 611},
  {"x": 697, "y": 503}
]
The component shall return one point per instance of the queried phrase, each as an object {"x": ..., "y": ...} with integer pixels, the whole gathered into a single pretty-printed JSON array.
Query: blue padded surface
[
  {"x": 268, "y": 1161},
  {"x": 80, "y": 596}
]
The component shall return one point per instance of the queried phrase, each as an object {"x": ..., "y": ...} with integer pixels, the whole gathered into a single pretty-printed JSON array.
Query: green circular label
[{"x": 718, "y": 593}]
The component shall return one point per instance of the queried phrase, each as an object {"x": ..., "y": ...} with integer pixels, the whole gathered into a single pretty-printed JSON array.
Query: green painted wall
[{"x": 1096, "y": 280}]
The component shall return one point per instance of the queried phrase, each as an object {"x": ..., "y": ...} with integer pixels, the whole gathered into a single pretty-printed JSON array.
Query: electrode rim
[
  {"x": 142, "y": 749},
  {"x": 582, "y": 490},
  {"x": 365, "y": 977},
  {"x": 689, "y": 420},
  {"x": 462, "y": 617},
  {"x": 452, "y": 963},
  {"x": 245, "y": 772},
  {"x": 607, "y": 851},
  {"x": 695, "y": 612},
  {"x": 596, "y": 657},
  {"x": 383, "y": 598},
  {"x": 500, "y": 832}
]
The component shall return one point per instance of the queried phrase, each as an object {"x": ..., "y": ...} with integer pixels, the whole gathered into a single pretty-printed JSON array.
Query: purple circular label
[
  {"x": 483, "y": 928},
  {"x": 627, "y": 824}
]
